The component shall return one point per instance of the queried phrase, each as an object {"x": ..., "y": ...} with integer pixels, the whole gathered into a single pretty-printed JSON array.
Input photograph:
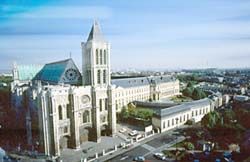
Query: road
[{"x": 148, "y": 149}]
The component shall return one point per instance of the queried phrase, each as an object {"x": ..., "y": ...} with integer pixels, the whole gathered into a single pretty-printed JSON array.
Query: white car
[
  {"x": 160, "y": 156},
  {"x": 133, "y": 133},
  {"x": 122, "y": 130},
  {"x": 138, "y": 136}
]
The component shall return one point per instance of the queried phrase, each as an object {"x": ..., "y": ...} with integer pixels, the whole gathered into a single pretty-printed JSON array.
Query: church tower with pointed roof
[
  {"x": 96, "y": 58},
  {"x": 96, "y": 73}
]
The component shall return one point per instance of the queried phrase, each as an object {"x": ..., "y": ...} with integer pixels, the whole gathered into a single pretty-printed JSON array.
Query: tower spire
[{"x": 95, "y": 33}]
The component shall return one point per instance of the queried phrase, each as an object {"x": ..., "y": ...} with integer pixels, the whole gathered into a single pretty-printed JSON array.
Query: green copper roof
[{"x": 28, "y": 72}]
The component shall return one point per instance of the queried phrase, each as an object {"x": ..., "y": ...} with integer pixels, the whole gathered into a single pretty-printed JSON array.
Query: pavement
[
  {"x": 146, "y": 148},
  {"x": 89, "y": 149}
]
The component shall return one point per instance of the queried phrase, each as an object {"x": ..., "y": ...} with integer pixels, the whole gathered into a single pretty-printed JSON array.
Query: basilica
[{"x": 69, "y": 106}]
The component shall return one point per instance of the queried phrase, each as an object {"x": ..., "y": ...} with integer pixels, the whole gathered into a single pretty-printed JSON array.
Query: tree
[
  {"x": 190, "y": 84},
  {"x": 198, "y": 94},
  {"x": 188, "y": 92},
  {"x": 211, "y": 119},
  {"x": 124, "y": 113},
  {"x": 189, "y": 146}
]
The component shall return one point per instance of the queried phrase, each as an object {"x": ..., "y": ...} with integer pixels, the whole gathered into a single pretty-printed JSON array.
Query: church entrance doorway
[
  {"x": 104, "y": 130},
  {"x": 64, "y": 142}
]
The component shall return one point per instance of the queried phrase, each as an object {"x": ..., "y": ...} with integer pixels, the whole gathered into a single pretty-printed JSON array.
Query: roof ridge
[{"x": 56, "y": 62}]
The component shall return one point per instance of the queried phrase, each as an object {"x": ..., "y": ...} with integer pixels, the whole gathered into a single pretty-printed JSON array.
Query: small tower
[{"x": 15, "y": 72}]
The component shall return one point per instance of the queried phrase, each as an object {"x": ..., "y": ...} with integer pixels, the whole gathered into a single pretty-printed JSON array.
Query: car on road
[
  {"x": 124, "y": 157},
  {"x": 139, "y": 159},
  {"x": 122, "y": 130},
  {"x": 160, "y": 156},
  {"x": 133, "y": 133}
]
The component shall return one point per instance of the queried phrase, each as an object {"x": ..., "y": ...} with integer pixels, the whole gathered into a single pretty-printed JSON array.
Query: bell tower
[
  {"x": 96, "y": 59},
  {"x": 96, "y": 73}
]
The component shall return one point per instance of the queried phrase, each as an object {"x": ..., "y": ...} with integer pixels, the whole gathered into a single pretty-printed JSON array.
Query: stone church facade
[{"x": 71, "y": 108}]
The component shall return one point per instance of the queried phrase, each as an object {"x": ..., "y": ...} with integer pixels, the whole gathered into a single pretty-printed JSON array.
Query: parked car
[
  {"x": 133, "y": 133},
  {"x": 160, "y": 156},
  {"x": 122, "y": 130},
  {"x": 139, "y": 159}
]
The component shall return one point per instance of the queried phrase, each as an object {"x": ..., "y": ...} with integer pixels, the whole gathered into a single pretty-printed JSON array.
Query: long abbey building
[{"x": 68, "y": 107}]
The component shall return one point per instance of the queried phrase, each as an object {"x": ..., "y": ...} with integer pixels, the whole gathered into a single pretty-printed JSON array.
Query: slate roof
[
  {"x": 161, "y": 79},
  {"x": 52, "y": 72},
  {"x": 181, "y": 108},
  {"x": 95, "y": 33},
  {"x": 141, "y": 81},
  {"x": 130, "y": 82}
]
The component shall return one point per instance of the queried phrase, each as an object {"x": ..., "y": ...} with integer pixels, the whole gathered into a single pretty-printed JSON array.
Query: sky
[{"x": 144, "y": 34}]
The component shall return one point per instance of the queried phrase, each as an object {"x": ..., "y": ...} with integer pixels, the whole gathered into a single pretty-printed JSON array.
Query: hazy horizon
[{"x": 161, "y": 34}]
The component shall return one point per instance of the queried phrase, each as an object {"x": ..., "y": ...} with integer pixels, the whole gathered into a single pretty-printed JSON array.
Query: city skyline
[{"x": 143, "y": 34}]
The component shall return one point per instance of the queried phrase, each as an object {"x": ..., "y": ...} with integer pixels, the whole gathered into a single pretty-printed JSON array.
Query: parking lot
[{"x": 127, "y": 132}]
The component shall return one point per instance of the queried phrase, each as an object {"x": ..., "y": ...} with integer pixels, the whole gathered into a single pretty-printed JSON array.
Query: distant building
[
  {"x": 143, "y": 89},
  {"x": 171, "y": 117},
  {"x": 241, "y": 98}
]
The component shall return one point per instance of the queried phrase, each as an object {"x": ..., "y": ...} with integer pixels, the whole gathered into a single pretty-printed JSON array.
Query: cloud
[{"x": 51, "y": 12}]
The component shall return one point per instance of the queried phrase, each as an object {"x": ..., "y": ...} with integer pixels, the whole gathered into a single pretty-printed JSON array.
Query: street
[{"x": 147, "y": 149}]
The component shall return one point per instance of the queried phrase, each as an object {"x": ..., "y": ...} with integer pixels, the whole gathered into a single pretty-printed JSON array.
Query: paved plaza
[{"x": 89, "y": 149}]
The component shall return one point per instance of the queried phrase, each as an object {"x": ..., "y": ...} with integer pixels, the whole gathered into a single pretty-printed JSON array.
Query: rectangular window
[
  {"x": 164, "y": 125},
  {"x": 104, "y": 77},
  {"x": 106, "y": 104},
  {"x": 172, "y": 122},
  {"x": 105, "y": 57},
  {"x": 100, "y": 104},
  {"x": 68, "y": 111},
  {"x": 60, "y": 112},
  {"x": 97, "y": 56},
  {"x": 65, "y": 130},
  {"x": 98, "y": 76},
  {"x": 101, "y": 57}
]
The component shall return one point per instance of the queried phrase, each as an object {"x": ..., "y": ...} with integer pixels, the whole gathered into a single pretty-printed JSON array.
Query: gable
[
  {"x": 71, "y": 74},
  {"x": 59, "y": 72}
]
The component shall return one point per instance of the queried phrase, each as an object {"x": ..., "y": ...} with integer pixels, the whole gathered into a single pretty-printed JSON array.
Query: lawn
[{"x": 181, "y": 98}]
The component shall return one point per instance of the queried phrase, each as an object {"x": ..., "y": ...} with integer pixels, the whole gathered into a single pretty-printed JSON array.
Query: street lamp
[{"x": 176, "y": 119}]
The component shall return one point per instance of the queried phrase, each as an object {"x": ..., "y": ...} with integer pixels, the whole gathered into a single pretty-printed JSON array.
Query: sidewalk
[
  {"x": 122, "y": 151},
  {"x": 89, "y": 149}
]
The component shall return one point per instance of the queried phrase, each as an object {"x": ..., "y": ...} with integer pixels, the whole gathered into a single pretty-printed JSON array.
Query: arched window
[
  {"x": 98, "y": 76},
  {"x": 60, "y": 112},
  {"x": 104, "y": 77},
  {"x": 96, "y": 56},
  {"x": 105, "y": 57},
  {"x": 100, "y": 56},
  {"x": 85, "y": 117}
]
